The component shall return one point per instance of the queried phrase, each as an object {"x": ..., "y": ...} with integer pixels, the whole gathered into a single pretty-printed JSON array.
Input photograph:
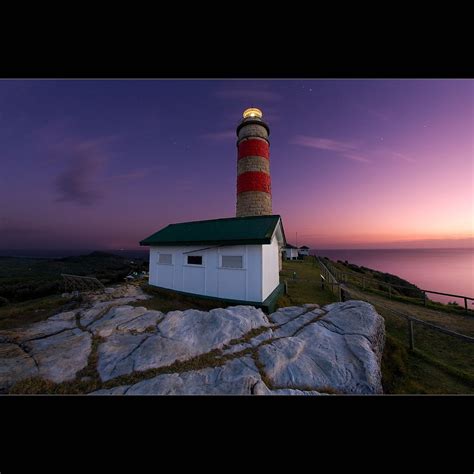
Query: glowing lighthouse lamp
[{"x": 252, "y": 113}]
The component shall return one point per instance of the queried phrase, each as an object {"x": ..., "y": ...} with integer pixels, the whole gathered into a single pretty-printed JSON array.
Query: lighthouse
[
  {"x": 254, "y": 196},
  {"x": 232, "y": 259}
]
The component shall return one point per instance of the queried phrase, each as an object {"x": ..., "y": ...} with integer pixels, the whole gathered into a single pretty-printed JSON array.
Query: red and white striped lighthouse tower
[{"x": 254, "y": 196}]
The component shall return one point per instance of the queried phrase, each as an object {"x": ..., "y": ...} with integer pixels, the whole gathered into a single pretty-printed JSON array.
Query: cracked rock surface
[
  {"x": 341, "y": 351},
  {"x": 299, "y": 350},
  {"x": 179, "y": 336}
]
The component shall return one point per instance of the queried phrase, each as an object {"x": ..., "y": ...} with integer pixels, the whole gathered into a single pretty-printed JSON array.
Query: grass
[
  {"x": 88, "y": 379},
  {"x": 380, "y": 288},
  {"x": 305, "y": 287},
  {"x": 165, "y": 301},
  {"x": 21, "y": 314},
  {"x": 439, "y": 364}
]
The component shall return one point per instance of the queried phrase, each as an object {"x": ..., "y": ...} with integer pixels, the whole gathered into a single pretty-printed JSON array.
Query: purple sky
[{"x": 101, "y": 164}]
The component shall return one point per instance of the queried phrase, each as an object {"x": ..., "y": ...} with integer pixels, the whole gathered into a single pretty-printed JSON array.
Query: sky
[{"x": 102, "y": 164}]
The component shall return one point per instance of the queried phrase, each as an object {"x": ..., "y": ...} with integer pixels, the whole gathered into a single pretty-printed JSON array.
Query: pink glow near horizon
[{"x": 361, "y": 164}]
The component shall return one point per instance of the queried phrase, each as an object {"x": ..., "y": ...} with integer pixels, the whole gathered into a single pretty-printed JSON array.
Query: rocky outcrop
[
  {"x": 299, "y": 350},
  {"x": 15, "y": 365},
  {"x": 340, "y": 351},
  {"x": 125, "y": 319},
  {"x": 180, "y": 336},
  {"x": 58, "y": 348},
  {"x": 238, "y": 377},
  {"x": 61, "y": 356}
]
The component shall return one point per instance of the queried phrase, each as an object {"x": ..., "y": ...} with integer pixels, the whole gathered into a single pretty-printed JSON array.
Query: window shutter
[
  {"x": 232, "y": 261},
  {"x": 165, "y": 258}
]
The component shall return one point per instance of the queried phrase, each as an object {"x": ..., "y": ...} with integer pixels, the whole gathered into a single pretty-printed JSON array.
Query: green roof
[{"x": 231, "y": 231}]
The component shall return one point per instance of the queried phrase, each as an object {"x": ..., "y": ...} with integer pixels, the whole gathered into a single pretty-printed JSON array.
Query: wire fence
[
  {"x": 449, "y": 349},
  {"x": 394, "y": 291},
  {"x": 77, "y": 283}
]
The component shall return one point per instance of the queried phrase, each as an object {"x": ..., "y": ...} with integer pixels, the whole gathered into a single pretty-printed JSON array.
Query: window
[
  {"x": 194, "y": 259},
  {"x": 164, "y": 259},
  {"x": 232, "y": 261}
]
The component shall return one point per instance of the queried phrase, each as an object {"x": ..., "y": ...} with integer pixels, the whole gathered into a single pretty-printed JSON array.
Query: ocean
[{"x": 444, "y": 270}]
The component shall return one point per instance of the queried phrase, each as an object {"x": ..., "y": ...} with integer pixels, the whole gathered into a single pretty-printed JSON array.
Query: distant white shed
[
  {"x": 303, "y": 251},
  {"x": 291, "y": 252}
]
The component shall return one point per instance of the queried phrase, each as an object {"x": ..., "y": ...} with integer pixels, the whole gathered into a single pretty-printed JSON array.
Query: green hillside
[{"x": 22, "y": 279}]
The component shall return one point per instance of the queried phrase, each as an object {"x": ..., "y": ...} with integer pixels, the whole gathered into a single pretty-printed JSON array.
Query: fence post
[
  {"x": 424, "y": 298},
  {"x": 465, "y": 305},
  {"x": 340, "y": 292},
  {"x": 411, "y": 335},
  {"x": 363, "y": 283},
  {"x": 286, "y": 287},
  {"x": 390, "y": 291}
]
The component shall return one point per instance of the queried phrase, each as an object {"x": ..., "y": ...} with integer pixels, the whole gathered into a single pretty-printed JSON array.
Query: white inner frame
[{"x": 231, "y": 268}]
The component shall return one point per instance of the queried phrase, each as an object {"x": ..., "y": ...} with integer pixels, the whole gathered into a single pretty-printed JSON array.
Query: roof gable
[{"x": 229, "y": 231}]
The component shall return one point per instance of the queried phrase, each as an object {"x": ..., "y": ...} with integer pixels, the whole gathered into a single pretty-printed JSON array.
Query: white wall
[
  {"x": 303, "y": 251},
  {"x": 271, "y": 267},
  {"x": 210, "y": 279},
  {"x": 291, "y": 253}
]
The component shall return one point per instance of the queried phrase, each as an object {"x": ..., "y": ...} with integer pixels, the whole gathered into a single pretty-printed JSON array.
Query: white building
[
  {"x": 303, "y": 251},
  {"x": 291, "y": 252},
  {"x": 234, "y": 259}
]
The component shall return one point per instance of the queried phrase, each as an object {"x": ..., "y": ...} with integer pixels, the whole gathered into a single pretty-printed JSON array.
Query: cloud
[
  {"x": 356, "y": 157},
  {"x": 78, "y": 182},
  {"x": 324, "y": 143},
  {"x": 349, "y": 150},
  {"x": 81, "y": 180},
  {"x": 220, "y": 136},
  {"x": 401, "y": 156}
]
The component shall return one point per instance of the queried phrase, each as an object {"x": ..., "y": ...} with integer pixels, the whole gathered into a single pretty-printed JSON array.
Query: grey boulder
[
  {"x": 340, "y": 352},
  {"x": 181, "y": 336},
  {"x": 236, "y": 377}
]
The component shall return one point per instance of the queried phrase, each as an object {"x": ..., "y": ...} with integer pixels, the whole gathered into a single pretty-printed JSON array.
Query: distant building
[
  {"x": 303, "y": 251},
  {"x": 291, "y": 252}
]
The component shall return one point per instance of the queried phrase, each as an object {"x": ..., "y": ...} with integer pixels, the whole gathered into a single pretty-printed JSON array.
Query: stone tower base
[{"x": 254, "y": 203}]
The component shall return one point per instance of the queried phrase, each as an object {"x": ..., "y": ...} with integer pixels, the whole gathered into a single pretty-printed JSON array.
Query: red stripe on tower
[
  {"x": 254, "y": 181},
  {"x": 253, "y": 147}
]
